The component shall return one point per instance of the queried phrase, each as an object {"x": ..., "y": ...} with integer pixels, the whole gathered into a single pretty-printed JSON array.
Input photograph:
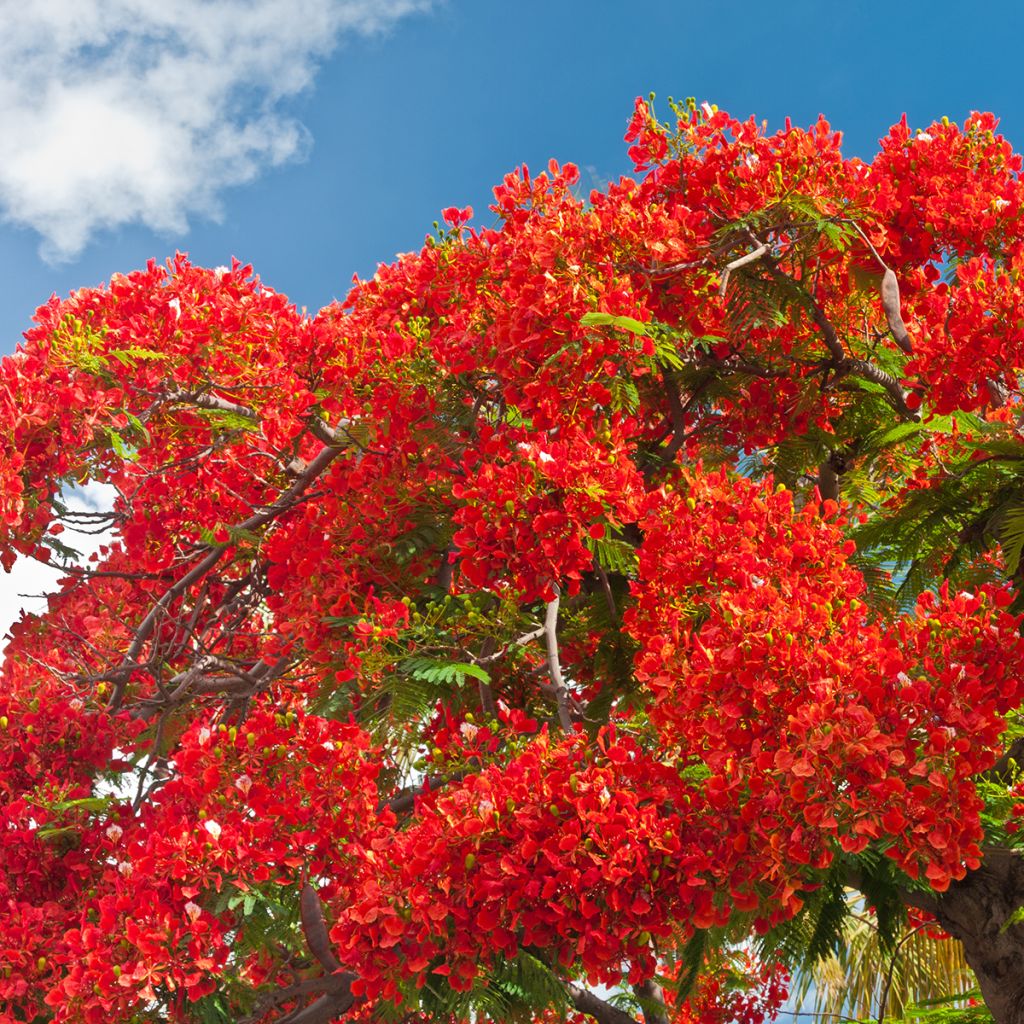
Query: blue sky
[{"x": 316, "y": 138}]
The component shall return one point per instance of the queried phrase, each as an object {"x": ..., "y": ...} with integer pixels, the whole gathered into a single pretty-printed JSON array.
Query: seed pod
[
  {"x": 314, "y": 927},
  {"x": 891, "y": 305},
  {"x": 997, "y": 394}
]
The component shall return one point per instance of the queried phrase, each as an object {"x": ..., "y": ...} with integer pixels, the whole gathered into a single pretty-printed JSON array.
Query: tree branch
[
  {"x": 554, "y": 666},
  {"x": 841, "y": 362},
  {"x": 206, "y": 400},
  {"x": 652, "y": 1002},
  {"x": 862, "y": 368},
  {"x": 279, "y": 505},
  {"x": 520, "y": 641},
  {"x": 406, "y": 799},
  {"x": 148, "y": 624},
  {"x": 741, "y": 261},
  {"x": 327, "y": 983},
  {"x": 329, "y": 1006},
  {"x": 1003, "y": 770},
  {"x": 603, "y": 1012}
]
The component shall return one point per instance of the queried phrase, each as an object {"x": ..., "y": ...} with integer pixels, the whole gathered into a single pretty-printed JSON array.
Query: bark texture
[{"x": 976, "y": 911}]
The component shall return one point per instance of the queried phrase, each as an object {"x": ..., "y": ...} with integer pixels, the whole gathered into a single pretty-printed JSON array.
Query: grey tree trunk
[{"x": 977, "y": 911}]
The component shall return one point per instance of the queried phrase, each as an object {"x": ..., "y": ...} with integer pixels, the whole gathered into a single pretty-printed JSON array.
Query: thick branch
[
  {"x": 678, "y": 414},
  {"x": 328, "y": 1007},
  {"x": 892, "y": 386},
  {"x": 327, "y": 434},
  {"x": 652, "y": 1002},
  {"x": 603, "y": 1012},
  {"x": 330, "y": 984},
  {"x": 406, "y": 799},
  {"x": 979, "y": 910},
  {"x": 206, "y": 400}
]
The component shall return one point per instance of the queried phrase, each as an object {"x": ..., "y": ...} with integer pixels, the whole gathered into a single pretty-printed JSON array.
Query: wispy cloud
[{"x": 115, "y": 112}]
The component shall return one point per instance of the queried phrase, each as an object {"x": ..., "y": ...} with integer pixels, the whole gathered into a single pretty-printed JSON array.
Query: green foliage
[
  {"x": 625, "y": 397},
  {"x": 877, "y": 879},
  {"x": 625, "y": 323},
  {"x": 442, "y": 673},
  {"x": 223, "y": 419},
  {"x": 213, "y": 1009},
  {"x": 1011, "y": 536},
  {"x": 263, "y": 917},
  {"x": 817, "y": 931},
  {"x": 857, "y": 967},
  {"x": 949, "y": 1010},
  {"x": 827, "y": 913},
  {"x": 940, "y": 531},
  {"x": 134, "y": 354},
  {"x": 613, "y": 554},
  {"x": 513, "y": 990}
]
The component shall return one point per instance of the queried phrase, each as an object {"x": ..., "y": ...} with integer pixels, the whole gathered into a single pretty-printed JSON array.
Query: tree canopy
[{"x": 563, "y": 623}]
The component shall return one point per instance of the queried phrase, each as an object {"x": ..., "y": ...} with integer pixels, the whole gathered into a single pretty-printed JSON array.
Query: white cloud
[
  {"x": 26, "y": 586},
  {"x": 115, "y": 112}
]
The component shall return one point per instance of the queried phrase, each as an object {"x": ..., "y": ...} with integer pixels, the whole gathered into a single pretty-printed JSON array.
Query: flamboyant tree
[{"x": 564, "y": 623}]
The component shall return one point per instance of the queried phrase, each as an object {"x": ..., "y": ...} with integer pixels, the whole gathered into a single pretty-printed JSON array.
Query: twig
[
  {"x": 520, "y": 641},
  {"x": 281, "y": 504},
  {"x": 884, "y": 997},
  {"x": 657, "y": 273},
  {"x": 606, "y": 587},
  {"x": 867, "y": 241}
]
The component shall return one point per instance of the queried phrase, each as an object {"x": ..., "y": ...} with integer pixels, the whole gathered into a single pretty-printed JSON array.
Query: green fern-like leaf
[
  {"x": 442, "y": 673},
  {"x": 613, "y": 554},
  {"x": 1011, "y": 537},
  {"x": 624, "y": 323},
  {"x": 625, "y": 396},
  {"x": 830, "y": 911}
]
